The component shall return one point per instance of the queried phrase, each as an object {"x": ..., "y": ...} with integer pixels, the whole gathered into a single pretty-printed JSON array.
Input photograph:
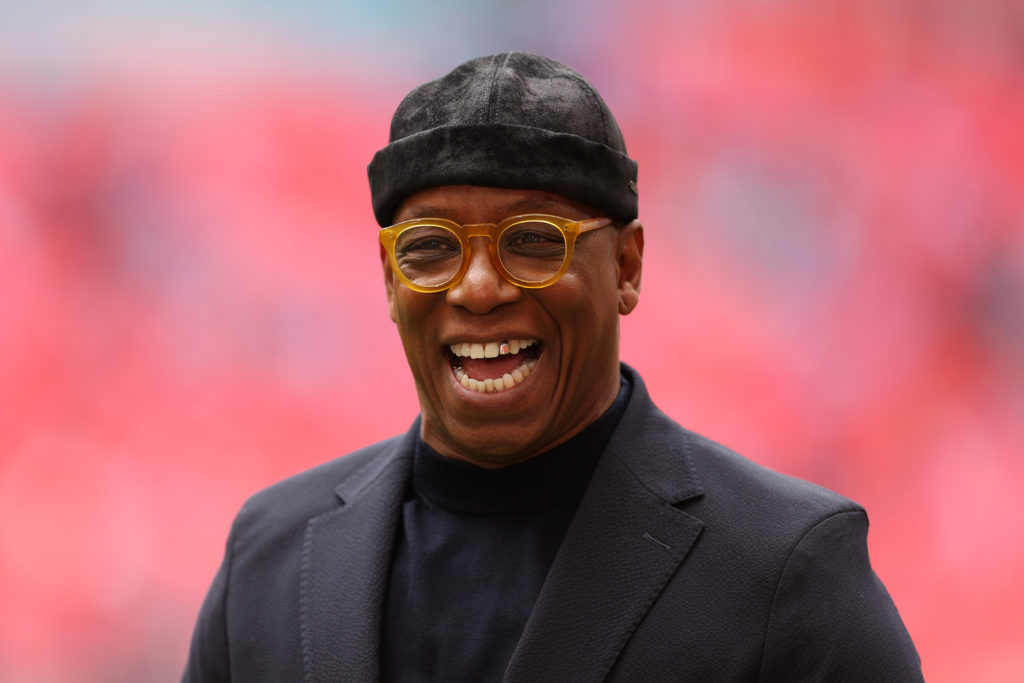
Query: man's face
[{"x": 566, "y": 369}]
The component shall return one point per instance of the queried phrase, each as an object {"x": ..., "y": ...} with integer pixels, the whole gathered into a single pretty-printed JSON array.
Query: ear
[
  {"x": 630, "y": 262},
  {"x": 389, "y": 284}
]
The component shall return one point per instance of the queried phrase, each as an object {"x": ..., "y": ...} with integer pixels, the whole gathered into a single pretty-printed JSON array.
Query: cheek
[
  {"x": 585, "y": 308},
  {"x": 412, "y": 313},
  {"x": 594, "y": 288},
  {"x": 402, "y": 306}
]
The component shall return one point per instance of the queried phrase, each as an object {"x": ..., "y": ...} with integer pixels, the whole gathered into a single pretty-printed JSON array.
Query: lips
[{"x": 493, "y": 366}]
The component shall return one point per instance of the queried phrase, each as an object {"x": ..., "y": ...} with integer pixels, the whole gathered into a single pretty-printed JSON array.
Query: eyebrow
[
  {"x": 520, "y": 206},
  {"x": 425, "y": 211},
  {"x": 530, "y": 204}
]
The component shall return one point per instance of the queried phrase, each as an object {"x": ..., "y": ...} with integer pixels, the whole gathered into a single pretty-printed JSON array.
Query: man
[{"x": 541, "y": 520}]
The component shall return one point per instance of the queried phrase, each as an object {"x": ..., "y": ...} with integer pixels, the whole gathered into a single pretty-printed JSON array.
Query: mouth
[{"x": 494, "y": 366}]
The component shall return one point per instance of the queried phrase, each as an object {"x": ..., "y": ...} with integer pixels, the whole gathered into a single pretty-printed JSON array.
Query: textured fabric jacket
[{"x": 684, "y": 562}]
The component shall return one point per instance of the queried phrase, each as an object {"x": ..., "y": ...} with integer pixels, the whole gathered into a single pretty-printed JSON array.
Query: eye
[
  {"x": 534, "y": 239},
  {"x": 525, "y": 237},
  {"x": 427, "y": 242}
]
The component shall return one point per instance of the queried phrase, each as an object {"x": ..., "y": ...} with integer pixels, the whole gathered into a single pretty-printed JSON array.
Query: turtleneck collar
[{"x": 552, "y": 476}]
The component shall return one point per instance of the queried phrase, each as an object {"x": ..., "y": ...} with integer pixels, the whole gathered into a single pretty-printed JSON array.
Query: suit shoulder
[
  {"x": 755, "y": 505},
  {"x": 724, "y": 470},
  {"x": 681, "y": 465},
  {"x": 301, "y": 496}
]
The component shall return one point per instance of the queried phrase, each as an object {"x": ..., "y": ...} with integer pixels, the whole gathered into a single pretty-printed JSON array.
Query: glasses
[{"x": 531, "y": 251}]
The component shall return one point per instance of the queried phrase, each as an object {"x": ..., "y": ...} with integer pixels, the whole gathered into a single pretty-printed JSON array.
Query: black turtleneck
[{"x": 472, "y": 551}]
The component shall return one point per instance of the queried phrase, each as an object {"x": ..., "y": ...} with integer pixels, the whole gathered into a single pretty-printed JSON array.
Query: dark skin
[{"x": 575, "y": 322}]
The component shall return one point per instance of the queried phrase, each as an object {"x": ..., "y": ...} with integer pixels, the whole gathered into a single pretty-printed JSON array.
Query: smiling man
[
  {"x": 508, "y": 370},
  {"x": 541, "y": 520}
]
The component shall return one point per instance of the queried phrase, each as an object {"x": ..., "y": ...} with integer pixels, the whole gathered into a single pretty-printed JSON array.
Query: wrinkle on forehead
[
  {"x": 556, "y": 205},
  {"x": 425, "y": 211},
  {"x": 497, "y": 203}
]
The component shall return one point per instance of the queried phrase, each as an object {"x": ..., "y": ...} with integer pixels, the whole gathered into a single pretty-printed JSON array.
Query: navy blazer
[{"x": 684, "y": 562}]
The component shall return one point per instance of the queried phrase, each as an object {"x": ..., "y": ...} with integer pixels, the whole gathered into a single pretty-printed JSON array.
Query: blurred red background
[{"x": 193, "y": 307}]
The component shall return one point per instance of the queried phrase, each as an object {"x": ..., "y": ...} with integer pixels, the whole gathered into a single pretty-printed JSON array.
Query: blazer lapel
[
  {"x": 345, "y": 565},
  {"x": 623, "y": 545}
]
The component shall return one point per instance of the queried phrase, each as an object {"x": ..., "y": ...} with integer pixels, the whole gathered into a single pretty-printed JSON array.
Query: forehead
[{"x": 478, "y": 204}]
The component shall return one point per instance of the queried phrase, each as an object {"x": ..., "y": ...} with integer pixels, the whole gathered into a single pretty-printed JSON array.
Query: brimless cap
[{"x": 513, "y": 120}]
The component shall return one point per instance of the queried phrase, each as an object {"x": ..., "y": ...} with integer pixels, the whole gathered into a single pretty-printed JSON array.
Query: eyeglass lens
[{"x": 431, "y": 255}]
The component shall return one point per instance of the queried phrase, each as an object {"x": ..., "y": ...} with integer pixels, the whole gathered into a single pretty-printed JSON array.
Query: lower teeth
[{"x": 506, "y": 381}]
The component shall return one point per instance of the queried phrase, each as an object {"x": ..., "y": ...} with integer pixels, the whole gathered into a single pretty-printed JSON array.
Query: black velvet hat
[{"x": 513, "y": 120}]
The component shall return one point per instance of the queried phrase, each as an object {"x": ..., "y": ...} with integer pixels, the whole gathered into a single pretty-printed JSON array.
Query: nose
[{"x": 482, "y": 288}]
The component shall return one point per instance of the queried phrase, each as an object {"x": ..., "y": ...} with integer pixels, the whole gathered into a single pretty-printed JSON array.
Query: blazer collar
[
  {"x": 346, "y": 558},
  {"x": 625, "y": 542}
]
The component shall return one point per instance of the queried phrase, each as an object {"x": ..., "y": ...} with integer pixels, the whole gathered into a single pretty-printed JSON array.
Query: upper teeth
[{"x": 491, "y": 349}]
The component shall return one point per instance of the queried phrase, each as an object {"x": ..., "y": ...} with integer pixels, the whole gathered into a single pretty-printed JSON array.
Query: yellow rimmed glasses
[{"x": 531, "y": 251}]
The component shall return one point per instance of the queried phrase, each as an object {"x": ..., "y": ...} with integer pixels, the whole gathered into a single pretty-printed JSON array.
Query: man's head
[{"x": 497, "y": 138}]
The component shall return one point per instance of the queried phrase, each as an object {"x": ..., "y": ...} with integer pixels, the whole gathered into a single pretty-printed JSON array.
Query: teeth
[
  {"x": 503, "y": 383},
  {"x": 491, "y": 349}
]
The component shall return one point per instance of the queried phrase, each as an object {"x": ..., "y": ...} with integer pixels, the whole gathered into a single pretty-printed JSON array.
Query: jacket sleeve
[
  {"x": 831, "y": 617},
  {"x": 208, "y": 655}
]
